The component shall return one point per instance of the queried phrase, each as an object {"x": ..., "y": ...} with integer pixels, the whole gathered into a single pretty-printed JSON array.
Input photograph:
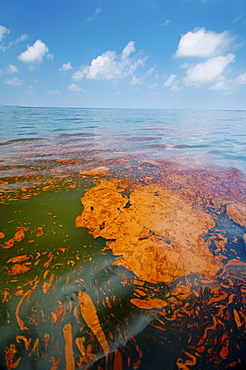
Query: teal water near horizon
[{"x": 209, "y": 137}]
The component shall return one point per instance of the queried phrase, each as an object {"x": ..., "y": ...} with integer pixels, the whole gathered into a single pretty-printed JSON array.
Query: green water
[{"x": 78, "y": 265}]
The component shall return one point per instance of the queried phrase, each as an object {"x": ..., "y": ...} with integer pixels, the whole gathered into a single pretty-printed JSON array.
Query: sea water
[
  {"x": 49, "y": 158},
  {"x": 217, "y": 137}
]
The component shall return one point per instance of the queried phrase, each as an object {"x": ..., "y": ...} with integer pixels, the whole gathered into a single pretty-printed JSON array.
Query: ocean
[{"x": 122, "y": 236}]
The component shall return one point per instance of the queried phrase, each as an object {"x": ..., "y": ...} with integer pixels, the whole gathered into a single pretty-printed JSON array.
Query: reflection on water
[{"x": 118, "y": 250}]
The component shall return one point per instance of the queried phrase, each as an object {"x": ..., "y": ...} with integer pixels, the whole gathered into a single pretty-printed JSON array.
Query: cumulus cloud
[
  {"x": 172, "y": 83},
  {"x": 35, "y": 53},
  {"x": 78, "y": 75},
  {"x": 65, "y": 67},
  {"x": 13, "y": 81},
  {"x": 208, "y": 71},
  {"x": 3, "y": 32},
  {"x": 110, "y": 66},
  {"x": 203, "y": 43},
  {"x": 74, "y": 87}
]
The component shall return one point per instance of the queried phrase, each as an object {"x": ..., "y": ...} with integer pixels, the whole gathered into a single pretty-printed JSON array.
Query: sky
[{"x": 171, "y": 54}]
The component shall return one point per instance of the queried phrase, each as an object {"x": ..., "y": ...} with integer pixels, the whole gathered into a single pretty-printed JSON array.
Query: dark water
[{"x": 49, "y": 158}]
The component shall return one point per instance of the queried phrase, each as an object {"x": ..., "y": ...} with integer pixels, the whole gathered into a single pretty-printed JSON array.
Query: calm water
[
  {"x": 217, "y": 137},
  {"x": 65, "y": 302}
]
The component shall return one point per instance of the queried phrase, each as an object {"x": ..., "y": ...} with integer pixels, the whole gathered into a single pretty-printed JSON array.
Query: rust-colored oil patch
[
  {"x": 18, "y": 259},
  {"x": 19, "y": 269},
  {"x": 95, "y": 171},
  {"x": 149, "y": 303},
  {"x": 117, "y": 365},
  {"x": 237, "y": 211},
  {"x": 9, "y": 357},
  {"x": 19, "y": 235},
  {"x": 40, "y": 231},
  {"x": 157, "y": 232},
  {"x": 55, "y": 363},
  {"x": 89, "y": 314},
  {"x": 69, "y": 354}
]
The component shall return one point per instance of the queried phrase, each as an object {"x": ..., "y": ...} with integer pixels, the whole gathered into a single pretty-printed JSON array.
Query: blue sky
[{"x": 123, "y": 53}]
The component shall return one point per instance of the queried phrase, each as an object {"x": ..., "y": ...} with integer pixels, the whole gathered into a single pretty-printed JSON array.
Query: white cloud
[
  {"x": 136, "y": 81},
  {"x": 11, "y": 43},
  {"x": 172, "y": 83},
  {"x": 74, "y": 87},
  {"x": 184, "y": 65},
  {"x": 49, "y": 56},
  {"x": 34, "y": 53},
  {"x": 12, "y": 69},
  {"x": 241, "y": 79},
  {"x": 78, "y": 75},
  {"x": 152, "y": 86},
  {"x": 203, "y": 43},
  {"x": 176, "y": 87},
  {"x": 150, "y": 71},
  {"x": 65, "y": 67},
  {"x": 220, "y": 85},
  {"x": 230, "y": 84},
  {"x": 208, "y": 71},
  {"x": 110, "y": 66},
  {"x": 3, "y": 32},
  {"x": 54, "y": 92},
  {"x": 128, "y": 49},
  {"x": 167, "y": 21},
  {"x": 13, "y": 81},
  {"x": 21, "y": 38},
  {"x": 104, "y": 67}
]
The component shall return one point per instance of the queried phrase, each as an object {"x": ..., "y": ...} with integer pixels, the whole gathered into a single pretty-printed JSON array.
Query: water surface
[{"x": 122, "y": 239}]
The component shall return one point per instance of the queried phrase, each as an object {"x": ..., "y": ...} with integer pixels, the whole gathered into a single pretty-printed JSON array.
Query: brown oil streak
[
  {"x": 69, "y": 354},
  {"x": 26, "y": 341},
  {"x": 89, "y": 314},
  {"x": 26, "y": 295}
]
